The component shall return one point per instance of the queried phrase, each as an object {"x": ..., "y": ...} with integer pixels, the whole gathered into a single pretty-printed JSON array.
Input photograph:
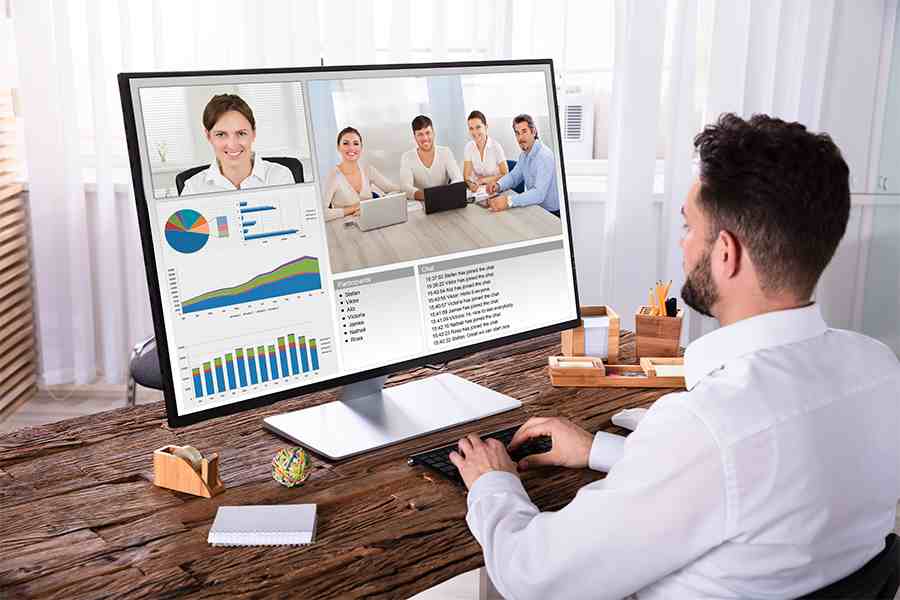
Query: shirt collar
[
  {"x": 779, "y": 328},
  {"x": 535, "y": 146},
  {"x": 214, "y": 174}
]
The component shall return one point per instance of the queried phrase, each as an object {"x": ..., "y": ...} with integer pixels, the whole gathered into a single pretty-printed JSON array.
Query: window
[{"x": 167, "y": 126}]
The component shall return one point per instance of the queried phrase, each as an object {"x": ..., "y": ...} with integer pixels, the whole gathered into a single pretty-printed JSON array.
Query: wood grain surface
[
  {"x": 80, "y": 518},
  {"x": 437, "y": 234}
]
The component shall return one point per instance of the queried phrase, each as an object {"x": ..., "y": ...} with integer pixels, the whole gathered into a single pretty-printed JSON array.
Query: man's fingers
[
  {"x": 456, "y": 459},
  {"x": 538, "y": 460},
  {"x": 494, "y": 443},
  {"x": 465, "y": 446},
  {"x": 533, "y": 427}
]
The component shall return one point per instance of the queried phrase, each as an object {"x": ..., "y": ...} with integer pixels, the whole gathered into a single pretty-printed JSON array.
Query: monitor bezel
[{"x": 156, "y": 304}]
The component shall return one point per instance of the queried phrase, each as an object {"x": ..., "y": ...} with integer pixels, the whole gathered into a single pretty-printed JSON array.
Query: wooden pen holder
[
  {"x": 175, "y": 473},
  {"x": 656, "y": 336},
  {"x": 573, "y": 340}
]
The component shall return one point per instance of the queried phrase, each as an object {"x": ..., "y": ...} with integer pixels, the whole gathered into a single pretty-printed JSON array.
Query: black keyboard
[{"x": 438, "y": 459}]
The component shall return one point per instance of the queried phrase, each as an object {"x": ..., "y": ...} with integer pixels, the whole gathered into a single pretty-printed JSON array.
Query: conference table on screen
[
  {"x": 81, "y": 518},
  {"x": 437, "y": 234}
]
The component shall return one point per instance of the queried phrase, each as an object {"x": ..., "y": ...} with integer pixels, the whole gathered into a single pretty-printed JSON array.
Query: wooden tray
[{"x": 589, "y": 371}]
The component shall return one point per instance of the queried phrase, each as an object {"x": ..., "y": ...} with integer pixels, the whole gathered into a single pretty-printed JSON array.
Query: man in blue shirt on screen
[{"x": 536, "y": 168}]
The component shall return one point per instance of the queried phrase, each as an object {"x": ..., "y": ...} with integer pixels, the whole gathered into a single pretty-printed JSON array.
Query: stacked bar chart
[
  {"x": 253, "y": 219},
  {"x": 288, "y": 355},
  {"x": 222, "y": 227}
]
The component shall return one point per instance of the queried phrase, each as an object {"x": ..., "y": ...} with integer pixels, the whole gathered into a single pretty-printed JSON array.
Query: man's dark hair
[
  {"x": 781, "y": 190},
  {"x": 523, "y": 118},
  {"x": 421, "y": 122}
]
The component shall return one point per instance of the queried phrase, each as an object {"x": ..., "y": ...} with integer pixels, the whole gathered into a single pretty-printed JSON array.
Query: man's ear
[{"x": 727, "y": 254}]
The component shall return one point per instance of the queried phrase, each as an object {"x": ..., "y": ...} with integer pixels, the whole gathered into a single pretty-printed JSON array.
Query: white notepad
[
  {"x": 278, "y": 525},
  {"x": 596, "y": 336}
]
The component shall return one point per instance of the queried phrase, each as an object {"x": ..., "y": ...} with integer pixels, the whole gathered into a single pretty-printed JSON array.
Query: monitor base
[{"x": 368, "y": 417}]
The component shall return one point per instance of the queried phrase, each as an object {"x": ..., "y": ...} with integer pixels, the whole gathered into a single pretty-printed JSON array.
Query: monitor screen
[{"x": 301, "y": 227}]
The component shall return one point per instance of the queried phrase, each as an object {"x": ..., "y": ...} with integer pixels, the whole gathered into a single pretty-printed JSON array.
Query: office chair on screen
[
  {"x": 519, "y": 189},
  {"x": 290, "y": 162},
  {"x": 878, "y": 578}
]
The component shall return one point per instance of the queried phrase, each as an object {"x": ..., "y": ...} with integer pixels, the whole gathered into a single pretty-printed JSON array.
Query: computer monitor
[{"x": 246, "y": 183}]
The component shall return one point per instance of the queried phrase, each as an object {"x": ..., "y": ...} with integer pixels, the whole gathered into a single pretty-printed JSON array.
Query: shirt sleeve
[
  {"x": 406, "y": 178},
  {"x": 606, "y": 451},
  {"x": 512, "y": 179},
  {"x": 453, "y": 172},
  {"x": 543, "y": 177},
  {"x": 189, "y": 187},
  {"x": 279, "y": 175},
  {"x": 661, "y": 507},
  {"x": 381, "y": 182},
  {"x": 501, "y": 155},
  {"x": 330, "y": 191}
]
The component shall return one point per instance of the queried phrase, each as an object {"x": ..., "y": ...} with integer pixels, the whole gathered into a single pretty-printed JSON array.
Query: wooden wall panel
[{"x": 18, "y": 366}]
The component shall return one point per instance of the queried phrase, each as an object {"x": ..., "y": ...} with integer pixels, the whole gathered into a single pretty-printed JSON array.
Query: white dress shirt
[
  {"x": 414, "y": 175},
  {"x": 489, "y": 165},
  {"x": 264, "y": 173},
  {"x": 340, "y": 194},
  {"x": 774, "y": 475}
]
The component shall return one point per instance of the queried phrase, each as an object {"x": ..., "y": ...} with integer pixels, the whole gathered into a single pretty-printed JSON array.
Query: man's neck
[{"x": 755, "y": 305}]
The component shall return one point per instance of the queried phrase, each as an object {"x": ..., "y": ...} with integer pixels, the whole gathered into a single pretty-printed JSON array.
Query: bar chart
[
  {"x": 287, "y": 356},
  {"x": 266, "y": 219}
]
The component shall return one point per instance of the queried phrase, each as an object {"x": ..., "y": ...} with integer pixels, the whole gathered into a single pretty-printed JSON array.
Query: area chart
[{"x": 294, "y": 277}]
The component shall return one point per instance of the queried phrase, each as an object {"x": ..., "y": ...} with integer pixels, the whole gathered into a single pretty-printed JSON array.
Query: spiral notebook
[{"x": 277, "y": 525}]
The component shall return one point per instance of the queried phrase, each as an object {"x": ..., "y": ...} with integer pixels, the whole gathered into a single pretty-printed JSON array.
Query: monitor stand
[{"x": 368, "y": 416}]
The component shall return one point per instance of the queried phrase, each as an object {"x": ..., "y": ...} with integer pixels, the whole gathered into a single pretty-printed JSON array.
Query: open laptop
[
  {"x": 445, "y": 197},
  {"x": 383, "y": 211}
]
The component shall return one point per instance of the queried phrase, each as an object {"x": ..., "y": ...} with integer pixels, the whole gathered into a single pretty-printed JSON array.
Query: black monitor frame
[{"x": 156, "y": 304}]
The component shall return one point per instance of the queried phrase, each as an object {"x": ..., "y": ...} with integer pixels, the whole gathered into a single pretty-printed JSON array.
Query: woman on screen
[
  {"x": 352, "y": 180},
  {"x": 231, "y": 130},
  {"x": 484, "y": 161}
]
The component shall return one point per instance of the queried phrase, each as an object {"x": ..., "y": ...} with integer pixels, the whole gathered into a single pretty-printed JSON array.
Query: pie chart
[{"x": 187, "y": 231}]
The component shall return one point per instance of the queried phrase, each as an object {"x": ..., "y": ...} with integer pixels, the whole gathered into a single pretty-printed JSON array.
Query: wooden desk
[
  {"x": 80, "y": 518},
  {"x": 423, "y": 236}
]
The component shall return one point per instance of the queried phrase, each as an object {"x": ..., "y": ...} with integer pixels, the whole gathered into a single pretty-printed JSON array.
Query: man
[
  {"x": 427, "y": 165},
  {"x": 536, "y": 167},
  {"x": 776, "y": 473}
]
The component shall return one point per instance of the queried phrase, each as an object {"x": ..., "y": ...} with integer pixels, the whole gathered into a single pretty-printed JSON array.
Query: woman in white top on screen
[
  {"x": 231, "y": 131},
  {"x": 352, "y": 180},
  {"x": 484, "y": 159}
]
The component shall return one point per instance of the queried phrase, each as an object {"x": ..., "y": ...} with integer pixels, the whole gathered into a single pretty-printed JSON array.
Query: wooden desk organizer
[
  {"x": 593, "y": 373},
  {"x": 657, "y": 336},
  {"x": 573, "y": 339},
  {"x": 175, "y": 473}
]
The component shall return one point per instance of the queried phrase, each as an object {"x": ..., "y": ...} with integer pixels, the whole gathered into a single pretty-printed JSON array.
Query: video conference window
[
  {"x": 215, "y": 138},
  {"x": 308, "y": 230},
  {"x": 415, "y": 167}
]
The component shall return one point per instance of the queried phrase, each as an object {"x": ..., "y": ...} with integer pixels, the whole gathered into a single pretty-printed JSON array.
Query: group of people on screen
[
  {"x": 230, "y": 128},
  {"x": 430, "y": 165}
]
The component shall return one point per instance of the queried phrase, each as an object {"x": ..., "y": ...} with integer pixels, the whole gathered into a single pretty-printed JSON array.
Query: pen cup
[{"x": 657, "y": 336}]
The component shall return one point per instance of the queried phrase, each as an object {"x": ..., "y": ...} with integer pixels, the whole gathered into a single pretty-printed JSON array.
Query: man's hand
[
  {"x": 475, "y": 458},
  {"x": 353, "y": 209},
  {"x": 419, "y": 195},
  {"x": 493, "y": 188},
  {"x": 571, "y": 443},
  {"x": 498, "y": 203}
]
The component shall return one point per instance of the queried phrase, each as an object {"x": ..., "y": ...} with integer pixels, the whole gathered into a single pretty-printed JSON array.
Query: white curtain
[{"x": 673, "y": 64}]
